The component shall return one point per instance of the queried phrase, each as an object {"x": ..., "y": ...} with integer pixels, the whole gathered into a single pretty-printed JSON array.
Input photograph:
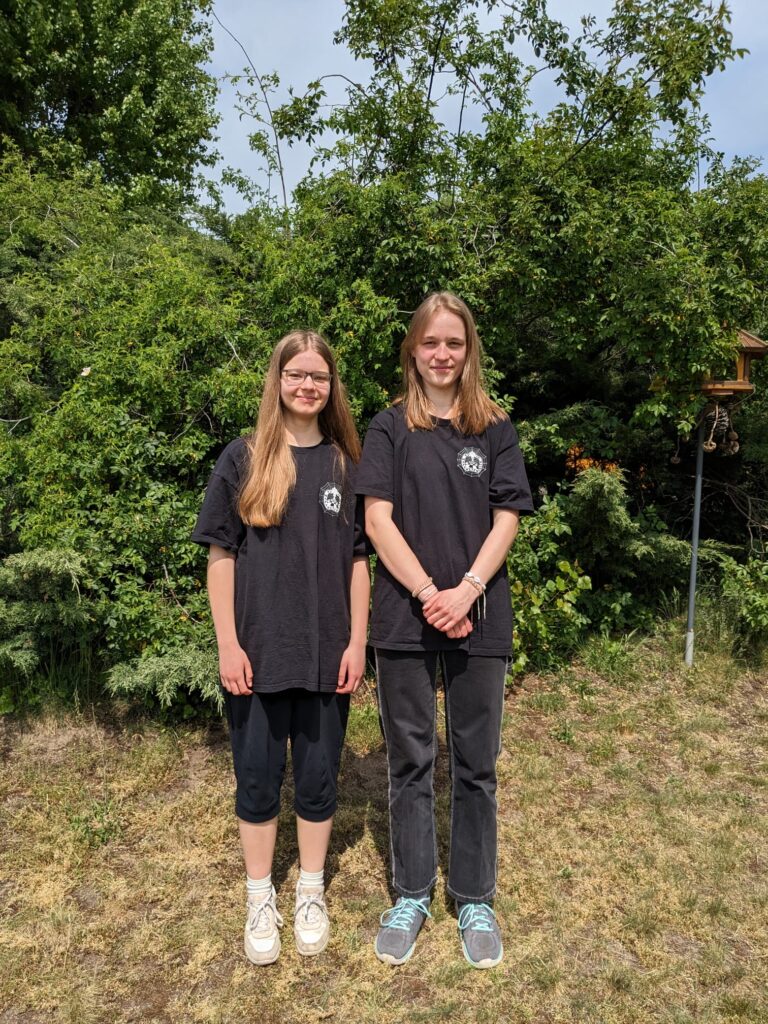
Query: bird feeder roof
[{"x": 752, "y": 345}]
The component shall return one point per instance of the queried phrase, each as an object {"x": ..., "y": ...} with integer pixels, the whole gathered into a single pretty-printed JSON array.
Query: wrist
[
  {"x": 428, "y": 592},
  {"x": 423, "y": 588},
  {"x": 473, "y": 581}
]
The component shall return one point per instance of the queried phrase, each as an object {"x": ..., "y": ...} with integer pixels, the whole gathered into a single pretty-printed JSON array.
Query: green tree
[
  {"x": 117, "y": 82},
  {"x": 132, "y": 346}
]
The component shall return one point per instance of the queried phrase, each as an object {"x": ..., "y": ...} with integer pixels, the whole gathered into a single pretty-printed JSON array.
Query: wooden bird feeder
[{"x": 749, "y": 347}]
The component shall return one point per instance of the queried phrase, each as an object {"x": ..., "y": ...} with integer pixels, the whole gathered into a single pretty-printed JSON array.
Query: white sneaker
[
  {"x": 262, "y": 938},
  {"x": 310, "y": 921}
]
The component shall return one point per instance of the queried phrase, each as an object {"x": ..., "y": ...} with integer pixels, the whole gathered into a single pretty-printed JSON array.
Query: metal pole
[{"x": 694, "y": 544}]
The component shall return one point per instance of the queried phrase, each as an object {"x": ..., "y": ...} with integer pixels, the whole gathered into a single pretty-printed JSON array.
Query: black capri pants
[{"x": 260, "y": 725}]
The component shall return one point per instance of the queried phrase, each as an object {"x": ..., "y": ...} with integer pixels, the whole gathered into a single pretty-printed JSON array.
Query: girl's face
[
  {"x": 442, "y": 352},
  {"x": 302, "y": 395}
]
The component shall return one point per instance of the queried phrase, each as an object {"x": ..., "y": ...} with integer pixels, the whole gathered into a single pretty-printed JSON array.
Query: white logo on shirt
[
  {"x": 471, "y": 462},
  {"x": 330, "y": 499}
]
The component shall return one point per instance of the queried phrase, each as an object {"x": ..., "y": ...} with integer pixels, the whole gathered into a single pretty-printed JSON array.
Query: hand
[
  {"x": 447, "y": 608},
  {"x": 351, "y": 669},
  {"x": 235, "y": 670},
  {"x": 464, "y": 628}
]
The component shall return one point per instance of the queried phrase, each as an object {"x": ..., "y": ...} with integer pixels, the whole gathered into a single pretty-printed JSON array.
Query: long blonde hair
[
  {"x": 272, "y": 470},
  {"x": 475, "y": 410}
]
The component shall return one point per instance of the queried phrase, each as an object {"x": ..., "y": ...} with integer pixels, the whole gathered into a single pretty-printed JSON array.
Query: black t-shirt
[
  {"x": 292, "y": 603},
  {"x": 443, "y": 486}
]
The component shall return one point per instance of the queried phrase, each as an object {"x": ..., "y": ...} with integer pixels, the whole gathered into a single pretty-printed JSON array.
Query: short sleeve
[
  {"x": 509, "y": 487},
  {"x": 362, "y": 546},
  {"x": 376, "y": 472},
  {"x": 219, "y": 522}
]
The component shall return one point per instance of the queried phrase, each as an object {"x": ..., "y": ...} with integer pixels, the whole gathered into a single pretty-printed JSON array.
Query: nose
[{"x": 442, "y": 353}]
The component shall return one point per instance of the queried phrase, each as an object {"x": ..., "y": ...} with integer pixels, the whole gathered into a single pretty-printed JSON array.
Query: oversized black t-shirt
[
  {"x": 292, "y": 603},
  {"x": 443, "y": 486}
]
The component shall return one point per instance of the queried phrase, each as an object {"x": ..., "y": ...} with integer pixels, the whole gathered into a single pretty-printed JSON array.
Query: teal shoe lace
[
  {"x": 403, "y": 914},
  {"x": 478, "y": 916}
]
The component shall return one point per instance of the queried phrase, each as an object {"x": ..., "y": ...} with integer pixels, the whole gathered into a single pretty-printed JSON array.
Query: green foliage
[
  {"x": 168, "y": 677},
  {"x": 48, "y": 620},
  {"x": 132, "y": 344},
  {"x": 97, "y": 825},
  {"x": 632, "y": 561},
  {"x": 547, "y": 592},
  {"x": 745, "y": 588},
  {"x": 614, "y": 658},
  {"x": 74, "y": 90}
]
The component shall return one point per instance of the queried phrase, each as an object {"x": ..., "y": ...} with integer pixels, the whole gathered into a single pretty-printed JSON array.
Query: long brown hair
[
  {"x": 272, "y": 470},
  {"x": 475, "y": 410}
]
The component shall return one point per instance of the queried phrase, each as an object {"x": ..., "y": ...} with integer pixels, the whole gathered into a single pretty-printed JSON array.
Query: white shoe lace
[
  {"x": 311, "y": 910},
  {"x": 265, "y": 908}
]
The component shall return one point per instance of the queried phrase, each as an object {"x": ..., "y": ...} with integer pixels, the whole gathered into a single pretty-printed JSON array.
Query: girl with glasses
[
  {"x": 289, "y": 589},
  {"x": 444, "y": 486}
]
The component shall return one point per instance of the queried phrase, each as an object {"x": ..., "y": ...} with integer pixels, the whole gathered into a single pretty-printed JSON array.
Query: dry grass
[{"x": 633, "y": 857}]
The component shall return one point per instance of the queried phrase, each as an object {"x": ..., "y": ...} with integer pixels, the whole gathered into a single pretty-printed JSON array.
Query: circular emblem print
[
  {"x": 471, "y": 461},
  {"x": 330, "y": 499}
]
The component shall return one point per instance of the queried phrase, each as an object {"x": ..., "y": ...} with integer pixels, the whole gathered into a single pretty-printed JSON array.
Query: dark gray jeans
[{"x": 474, "y": 699}]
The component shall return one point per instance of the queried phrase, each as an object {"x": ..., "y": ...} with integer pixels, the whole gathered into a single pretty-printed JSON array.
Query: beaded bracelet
[
  {"x": 422, "y": 586},
  {"x": 479, "y": 586},
  {"x": 476, "y": 582}
]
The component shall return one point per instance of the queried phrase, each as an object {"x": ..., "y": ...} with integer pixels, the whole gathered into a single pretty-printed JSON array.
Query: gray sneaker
[
  {"x": 399, "y": 927},
  {"x": 480, "y": 935}
]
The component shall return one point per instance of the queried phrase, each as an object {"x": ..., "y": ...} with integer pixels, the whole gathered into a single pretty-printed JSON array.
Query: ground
[{"x": 632, "y": 865}]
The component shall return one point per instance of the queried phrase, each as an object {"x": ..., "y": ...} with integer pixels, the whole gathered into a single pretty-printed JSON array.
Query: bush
[
  {"x": 48, "y": 621},
  {"x": 548, "y": 591},
  {"x": 632, "y": 562},
  {"x": 745, "y": 589}
]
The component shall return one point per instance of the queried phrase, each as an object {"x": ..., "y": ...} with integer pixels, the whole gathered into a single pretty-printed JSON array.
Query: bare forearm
[
  {"x": 446, "y": 608},
  {"x": 234, "y": 667},
  {"x": 496, "y": 545},
  {"x": 360, "y": 599},
  {"x": 221, "y": 594},
  {"x": 391, "y": 546}
]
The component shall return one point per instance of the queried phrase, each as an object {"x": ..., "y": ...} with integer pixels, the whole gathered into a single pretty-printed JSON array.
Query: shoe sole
[
  {"x": 481, "y": 965},
  {"x": 305, "y": 950},
  {"x": 387, "y": 958}
]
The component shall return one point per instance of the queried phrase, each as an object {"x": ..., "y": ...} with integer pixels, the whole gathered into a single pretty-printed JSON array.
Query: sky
[{"x": 294, "y": 38}]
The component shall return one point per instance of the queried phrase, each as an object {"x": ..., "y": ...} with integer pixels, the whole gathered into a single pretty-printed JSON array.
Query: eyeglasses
[{"x": 320, "y": 378}]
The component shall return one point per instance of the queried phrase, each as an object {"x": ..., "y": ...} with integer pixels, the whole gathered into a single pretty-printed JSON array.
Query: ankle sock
[
  {"x": 311, "y": 879},
  {"x": 259, "y": 888}
]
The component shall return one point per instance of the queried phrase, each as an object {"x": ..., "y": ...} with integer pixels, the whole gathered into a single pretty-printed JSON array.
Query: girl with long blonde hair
[
  {"x": 444, "y": 486},
  {"x": 289, "y": 588}
]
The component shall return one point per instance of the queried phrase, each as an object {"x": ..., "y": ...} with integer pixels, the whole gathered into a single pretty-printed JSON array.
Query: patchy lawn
[{"x": 633, "y": 868}]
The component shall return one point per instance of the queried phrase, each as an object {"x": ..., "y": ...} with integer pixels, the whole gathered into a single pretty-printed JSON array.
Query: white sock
[
  {"x": 259, "y": 888},
  {"x": 311, "y": 879}
]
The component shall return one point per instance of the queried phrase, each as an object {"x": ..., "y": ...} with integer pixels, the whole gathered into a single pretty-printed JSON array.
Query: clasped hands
[{"x": 448, "y": 610}]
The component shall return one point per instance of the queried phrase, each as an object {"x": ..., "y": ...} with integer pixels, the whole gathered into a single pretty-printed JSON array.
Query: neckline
[{"x": 307, "y": 447}]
